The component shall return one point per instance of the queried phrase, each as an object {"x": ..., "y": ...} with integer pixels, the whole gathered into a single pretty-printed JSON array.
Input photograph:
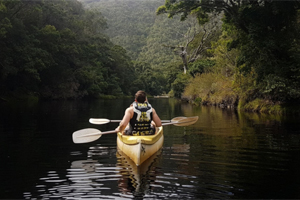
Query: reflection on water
[
  {"x": 225, "y": 155},
  {"x": 136, "y": 181},
  {"x": 84, "y": 179},
  {"x": 91, "y": 179}
]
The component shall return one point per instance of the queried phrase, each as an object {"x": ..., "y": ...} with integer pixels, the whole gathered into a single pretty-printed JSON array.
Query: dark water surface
[{"x": 225, "y": 155}]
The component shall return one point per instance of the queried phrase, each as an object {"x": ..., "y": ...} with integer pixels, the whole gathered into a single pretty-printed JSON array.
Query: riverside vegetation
[
  {"x": 256, "y": 56},
  {"x": 242, "y": 54}
]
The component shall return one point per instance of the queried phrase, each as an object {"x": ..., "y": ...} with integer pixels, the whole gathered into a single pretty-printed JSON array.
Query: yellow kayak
[{"x": 140, "y": 148}]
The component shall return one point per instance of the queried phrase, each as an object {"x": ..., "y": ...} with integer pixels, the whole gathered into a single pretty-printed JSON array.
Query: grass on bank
[
  {"x": 217, "y": 89},
  {"x": 211, "y": 88}
]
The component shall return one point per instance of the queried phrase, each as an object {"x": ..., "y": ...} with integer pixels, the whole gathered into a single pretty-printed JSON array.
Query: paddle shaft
[
  {"x": 92, "y": 134},
  {"x": 105, "y": 121},
  {"x": 113, "y": 131},
  {"x": 115, "y": 120}
]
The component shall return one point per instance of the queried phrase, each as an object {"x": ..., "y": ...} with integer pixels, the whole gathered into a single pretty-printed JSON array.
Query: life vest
[{"x": 141, "y": 120}]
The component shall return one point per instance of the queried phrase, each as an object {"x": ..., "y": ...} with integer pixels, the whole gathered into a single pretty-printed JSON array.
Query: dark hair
[{"x": 140, "y": 96}]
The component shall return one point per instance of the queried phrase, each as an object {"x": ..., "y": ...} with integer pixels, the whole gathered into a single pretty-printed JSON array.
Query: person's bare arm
[
  {"x": 156, "y": 118},
  {"x": 127, "y": 116}
]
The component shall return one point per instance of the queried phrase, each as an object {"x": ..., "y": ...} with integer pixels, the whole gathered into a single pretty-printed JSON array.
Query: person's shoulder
[{"x": 129, "y": 109}]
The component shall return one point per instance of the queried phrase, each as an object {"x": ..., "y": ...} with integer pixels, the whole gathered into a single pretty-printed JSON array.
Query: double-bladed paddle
[
  {"x": 92, "y": 134},
  {"x": 100, "y": 121}
]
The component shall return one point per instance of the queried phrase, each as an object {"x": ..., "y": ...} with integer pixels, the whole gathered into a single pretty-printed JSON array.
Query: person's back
[
  {"x": 140, "y": 123},
  {"x": 140, "y": 117}
]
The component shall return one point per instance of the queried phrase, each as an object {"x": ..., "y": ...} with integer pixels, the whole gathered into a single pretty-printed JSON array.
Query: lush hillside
[
  {"x": 134, "y": 25},
  {"x": 256, "y": 58},
  {"x": 63, "y": 49},
  {"x": 147, "y": 37},
  {"x": 58, "y": 49},
  {"x": 248, "y": 61}
]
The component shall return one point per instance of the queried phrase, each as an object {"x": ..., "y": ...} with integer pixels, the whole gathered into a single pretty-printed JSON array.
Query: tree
[
  {"x": 197, "y": 40},
  {"x": 57, "y": 49},
  {"x": 267, "y": 34},
  {"x": 129, "y": 22},
  {"x": 151, "y": 80}
]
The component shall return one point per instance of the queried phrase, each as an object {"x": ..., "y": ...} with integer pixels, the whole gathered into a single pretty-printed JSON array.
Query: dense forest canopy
[
  {"x": 265, "y": 36},
  {"x": 62, "y": 49},
  {"x": 129, "y": 22},
  {"x": 215, "y": 51},
  {"x": 153, "y": 41},
  {"x": 57, "y": 49}
]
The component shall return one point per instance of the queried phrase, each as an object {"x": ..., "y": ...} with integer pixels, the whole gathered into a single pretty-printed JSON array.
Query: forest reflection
[{"x": 226, "y": 154}]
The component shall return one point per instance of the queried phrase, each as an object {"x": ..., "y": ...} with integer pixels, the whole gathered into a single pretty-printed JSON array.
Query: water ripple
[{"x": 179, "y": 171}]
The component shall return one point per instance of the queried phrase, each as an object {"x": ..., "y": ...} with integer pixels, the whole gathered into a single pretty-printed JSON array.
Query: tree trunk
[{"x": 184, "y": 59}]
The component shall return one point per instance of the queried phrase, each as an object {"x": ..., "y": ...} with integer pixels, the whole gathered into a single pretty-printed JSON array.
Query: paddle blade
[
  {"x": 86, "y": 135},
  {"x": 99, "y": 121},
  {"x": 187, "y": 121},
  {"x": 176, "y": 119}
]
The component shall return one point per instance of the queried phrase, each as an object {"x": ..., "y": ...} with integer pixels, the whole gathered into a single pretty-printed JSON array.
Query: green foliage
[
  {"x": 258, "y": 46},
  {"x": 200, "y": 66},
  {"x": 5, "y": 24},
  {"x": 264, "y": 106},
  {"x": 276, "y": 87},
  {"x": 211, "y": 88},
  {"x": 57, "y": 49},
  {"x": 129, "y": 22},
  {"x": 151, "y": 80},
  {"x": 265, "y": 46},
  {"x": 225, "y": 57},
  {"x": 145, "y": 36},
  {"x": 134, "y": 26},
  {"x": 183, "y": 8},
  {"x": 197, "y": 101},
  {"x": 180, "y": 83},
  {"x": 162, "y": 35},
  {"x": 149, "y": 39}
]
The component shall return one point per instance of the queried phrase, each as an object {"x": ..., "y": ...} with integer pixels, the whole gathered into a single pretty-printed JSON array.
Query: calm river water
[{"x": 225, "y": 155}]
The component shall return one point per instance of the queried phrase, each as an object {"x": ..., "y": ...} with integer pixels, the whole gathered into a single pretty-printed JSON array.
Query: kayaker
[{"x": 140, "y": 118}]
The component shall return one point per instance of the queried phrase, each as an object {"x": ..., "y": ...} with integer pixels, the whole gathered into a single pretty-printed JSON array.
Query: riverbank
[
  {"x": 215, "y": 89},
  {"x": 256, "y": 105},
  {"x": 221, "y": 101},
  {"x": 35, "y": 97}
]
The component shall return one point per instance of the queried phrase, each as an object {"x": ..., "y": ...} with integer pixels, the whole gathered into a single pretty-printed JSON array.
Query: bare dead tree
[{"x": 204, "y": 34}]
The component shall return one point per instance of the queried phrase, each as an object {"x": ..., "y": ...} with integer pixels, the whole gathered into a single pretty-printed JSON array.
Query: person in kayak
[{"x": 140, "y": 118}]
